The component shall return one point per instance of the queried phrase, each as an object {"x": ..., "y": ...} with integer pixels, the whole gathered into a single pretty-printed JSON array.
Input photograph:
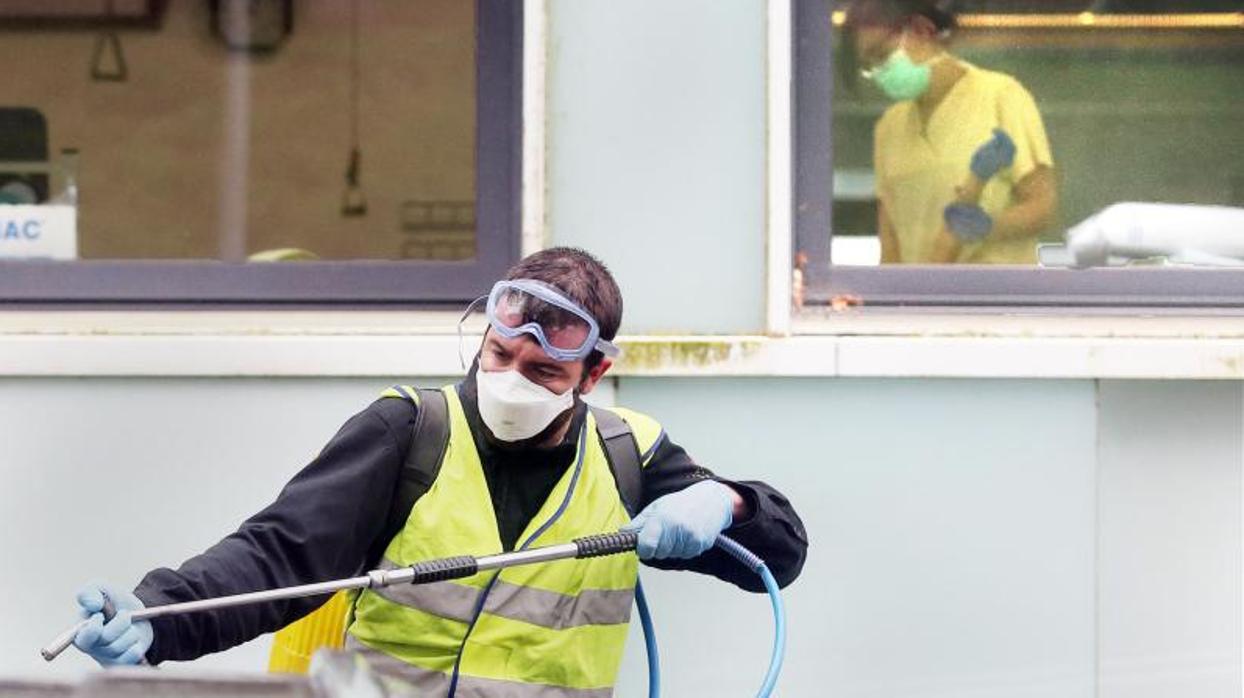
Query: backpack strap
[
  {"x": 622, "y": 452},
  {"x": 428, "y": 442}
]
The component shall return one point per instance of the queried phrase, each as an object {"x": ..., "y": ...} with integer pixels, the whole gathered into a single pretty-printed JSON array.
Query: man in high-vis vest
[{"x": 524, "y": 465}]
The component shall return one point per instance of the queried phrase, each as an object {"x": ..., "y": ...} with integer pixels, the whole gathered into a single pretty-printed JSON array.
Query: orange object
[{"x": 841, "y": 303}]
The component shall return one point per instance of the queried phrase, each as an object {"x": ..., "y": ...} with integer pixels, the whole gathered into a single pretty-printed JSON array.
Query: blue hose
[
  {"x": 650, "y": 642},
  {"x": 753, "y": 562},
  {"x": 779, "y": 633}
]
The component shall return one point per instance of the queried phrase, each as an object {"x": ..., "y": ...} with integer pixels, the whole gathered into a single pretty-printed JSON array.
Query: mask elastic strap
[{"x": 469, "y": 309}]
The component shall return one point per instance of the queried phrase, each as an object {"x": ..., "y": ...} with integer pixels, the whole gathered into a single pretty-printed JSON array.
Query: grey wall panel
[
  {"x": 953, "y": 523},
  {"x": 108, "y": 478},
  {"x": 656, "y": 154},
  {"x": 1170, "y": 539},
  {"x": 952, "y": 533}
]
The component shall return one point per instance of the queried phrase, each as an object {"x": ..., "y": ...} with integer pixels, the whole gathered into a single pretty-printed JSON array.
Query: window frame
[
  {"x": 498, "y": 164},
  {"x": 947, "y": 286}
]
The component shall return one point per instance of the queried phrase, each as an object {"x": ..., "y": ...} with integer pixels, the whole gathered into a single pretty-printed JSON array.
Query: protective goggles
[{"x": 563, "y": 328}]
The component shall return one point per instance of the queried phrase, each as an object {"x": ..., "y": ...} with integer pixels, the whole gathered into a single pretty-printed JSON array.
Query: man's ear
[{"x": 593, "y": 376}]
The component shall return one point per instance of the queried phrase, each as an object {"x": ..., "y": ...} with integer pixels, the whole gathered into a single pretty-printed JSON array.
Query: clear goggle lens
[
  {"x": 561, "y": 328},
  {"x": 564, "y": 330}
]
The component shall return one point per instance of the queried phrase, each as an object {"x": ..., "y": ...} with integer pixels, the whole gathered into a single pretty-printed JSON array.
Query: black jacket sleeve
[
  {"x": 320, "y": 527},
  {"x": 773, "y": 530}
]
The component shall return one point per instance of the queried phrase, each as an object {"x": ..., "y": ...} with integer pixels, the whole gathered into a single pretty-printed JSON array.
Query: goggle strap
[
  {"x": 469, "y": 309},
  {"x": 607, "y": 348}
]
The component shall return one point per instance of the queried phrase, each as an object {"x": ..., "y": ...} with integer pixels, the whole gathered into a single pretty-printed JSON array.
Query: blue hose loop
[
  {"x": 755, "y": 564},
  {"x": 753, "y": 561}
]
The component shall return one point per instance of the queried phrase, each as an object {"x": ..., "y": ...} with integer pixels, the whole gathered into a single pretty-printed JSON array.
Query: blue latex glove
[
  {"x": 994, "y": 156},
  {"x": 967, "y": 222},
  {"x": 120, "y": 641},
  {"x": 685, "y": 523}
]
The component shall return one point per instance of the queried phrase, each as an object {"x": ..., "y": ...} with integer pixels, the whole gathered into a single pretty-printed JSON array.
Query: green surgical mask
[{"x": 901, "y": 78}]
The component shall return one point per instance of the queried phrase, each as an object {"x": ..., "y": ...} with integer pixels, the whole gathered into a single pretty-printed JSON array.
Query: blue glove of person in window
[
  {"x": 967, "y": 222},
  {"x": 116, "y": 642},
  {"x": 994, "y": 156},
  {"x": 685, "y": 523}
]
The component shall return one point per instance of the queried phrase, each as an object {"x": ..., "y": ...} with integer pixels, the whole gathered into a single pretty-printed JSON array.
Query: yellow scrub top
[{"x": 919, "y": 166}]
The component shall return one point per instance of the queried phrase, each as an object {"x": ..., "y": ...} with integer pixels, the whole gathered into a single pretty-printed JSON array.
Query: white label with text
[{"x": 38, "y": 232}]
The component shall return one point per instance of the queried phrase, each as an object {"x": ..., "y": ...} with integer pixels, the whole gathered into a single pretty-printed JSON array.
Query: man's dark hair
[{"x": 584, "y": 280}]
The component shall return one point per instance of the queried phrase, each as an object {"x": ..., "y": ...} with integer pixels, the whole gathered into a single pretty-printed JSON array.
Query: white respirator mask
[{"x": 514, "y": 408}]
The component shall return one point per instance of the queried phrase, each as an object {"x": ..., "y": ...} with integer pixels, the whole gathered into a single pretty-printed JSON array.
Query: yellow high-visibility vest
[{"x": 554, "y": 629}]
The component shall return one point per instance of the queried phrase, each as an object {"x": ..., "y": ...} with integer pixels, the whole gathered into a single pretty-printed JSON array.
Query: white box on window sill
[
  {"x": 30, "y": 231},
  {"x": 853, "y": 251}
]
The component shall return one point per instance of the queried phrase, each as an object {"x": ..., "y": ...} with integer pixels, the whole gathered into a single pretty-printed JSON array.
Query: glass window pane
[
  {"x": 1101, "y": 102},
  {"x": 228, "y": 129}
]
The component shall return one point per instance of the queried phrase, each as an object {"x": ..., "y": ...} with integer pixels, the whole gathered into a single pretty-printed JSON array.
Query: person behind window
[{"x": 964, "y": 170}]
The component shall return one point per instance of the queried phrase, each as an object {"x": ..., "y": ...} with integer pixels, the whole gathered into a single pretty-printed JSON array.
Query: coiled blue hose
[{"x": 754, "y": 563}]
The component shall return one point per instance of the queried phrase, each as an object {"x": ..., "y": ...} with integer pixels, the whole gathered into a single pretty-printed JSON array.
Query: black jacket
[{"x": 327, "y": 518}]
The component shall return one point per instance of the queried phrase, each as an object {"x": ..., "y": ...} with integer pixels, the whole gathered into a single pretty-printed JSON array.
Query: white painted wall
[
  {"x": 969, "y": 537},
  {"x": 952, "y": 548},
  {"x": 1169, "y": 540},
  {"x": 107, "y": 478},
  {"x": 656, "y": 154}
]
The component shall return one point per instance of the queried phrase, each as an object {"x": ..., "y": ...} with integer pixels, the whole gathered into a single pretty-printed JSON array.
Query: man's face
[{"x": 524, "y": 354}]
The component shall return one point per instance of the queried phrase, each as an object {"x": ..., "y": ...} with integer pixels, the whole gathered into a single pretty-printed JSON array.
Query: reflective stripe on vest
[
  {"x": 555, "y": 629},
  {"x": 436, "y": 683},
  {"x": 548, "y": 609}
]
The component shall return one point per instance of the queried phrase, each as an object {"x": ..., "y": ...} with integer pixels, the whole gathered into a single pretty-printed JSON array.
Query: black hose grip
[
  {"x": 606, "y": 544},
  {"x": 430, "y": 571}
]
